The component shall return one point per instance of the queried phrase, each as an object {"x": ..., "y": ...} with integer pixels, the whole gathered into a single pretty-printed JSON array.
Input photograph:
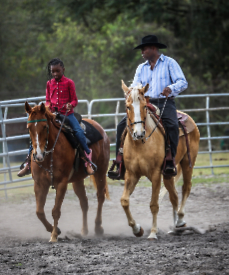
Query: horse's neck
[{"x": 53, "y": 131}]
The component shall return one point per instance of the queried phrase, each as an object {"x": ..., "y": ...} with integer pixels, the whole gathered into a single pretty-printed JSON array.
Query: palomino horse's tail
[
  {"x": 177, "y": 177},
  {"x": 106, "y": 187}
]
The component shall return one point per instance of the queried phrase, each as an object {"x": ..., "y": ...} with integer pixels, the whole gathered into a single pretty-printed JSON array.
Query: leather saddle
[
  {"x": 183, "y": 119},
  {"x": 91, "y": 133}
]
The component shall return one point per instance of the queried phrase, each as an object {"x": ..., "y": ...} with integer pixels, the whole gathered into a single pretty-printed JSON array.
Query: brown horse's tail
[{"x": 106, "y": 187}]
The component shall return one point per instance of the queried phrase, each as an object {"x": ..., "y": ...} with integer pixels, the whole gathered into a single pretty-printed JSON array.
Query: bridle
[
  {"x": 133, "y": 123},
  {"x": 47, "y": 126},
  {"x": 136, "y": 122},
  {"x": 50, "y": 171}
]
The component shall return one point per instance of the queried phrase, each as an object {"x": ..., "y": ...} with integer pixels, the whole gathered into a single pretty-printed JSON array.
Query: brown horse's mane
[{"x": 49, "y": 115}]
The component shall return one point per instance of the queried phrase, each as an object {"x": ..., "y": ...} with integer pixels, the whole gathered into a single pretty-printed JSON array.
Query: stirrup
[
  {"x": 114, "y": 175},
  {"x": 169, "y": 168},
  {"x": 120, "y": 172}
]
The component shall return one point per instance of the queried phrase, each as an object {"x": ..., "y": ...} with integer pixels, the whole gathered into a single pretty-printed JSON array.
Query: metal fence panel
[{"x": 7, "y": 168}]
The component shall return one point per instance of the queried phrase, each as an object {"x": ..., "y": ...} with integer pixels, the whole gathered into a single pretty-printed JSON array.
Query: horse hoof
[
  {"x": 152, "y": 239},
  {"x": 58, "y": 231},
  {"x": 181, "y": 225},
  {"x": 140, "y": 233},
  {"x": 53, "y": 240},
  {"x": 84, "y": 232},
  {"x": 152, "y": 236},
  {"x": 99, "y": 231}
]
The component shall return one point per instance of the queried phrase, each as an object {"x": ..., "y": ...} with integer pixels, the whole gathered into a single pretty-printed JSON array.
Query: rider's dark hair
[{"x": 54, "y": 61}]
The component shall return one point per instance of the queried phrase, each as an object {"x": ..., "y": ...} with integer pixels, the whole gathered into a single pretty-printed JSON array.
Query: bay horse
[
  {"x": 43, "y": 133},
  {"x": 145, "y": 158}
]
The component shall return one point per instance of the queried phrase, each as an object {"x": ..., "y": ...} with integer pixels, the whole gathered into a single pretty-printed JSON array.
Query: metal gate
[{"x": 7, "y": 169}]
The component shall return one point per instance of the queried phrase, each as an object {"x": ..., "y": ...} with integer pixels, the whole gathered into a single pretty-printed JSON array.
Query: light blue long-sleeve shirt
[{"x": 166, "y": 73}]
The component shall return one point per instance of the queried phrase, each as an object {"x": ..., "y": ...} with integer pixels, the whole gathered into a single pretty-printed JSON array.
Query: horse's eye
[
  {"x": 45, "y": 127},
  {"x": 128, "y": 108}
]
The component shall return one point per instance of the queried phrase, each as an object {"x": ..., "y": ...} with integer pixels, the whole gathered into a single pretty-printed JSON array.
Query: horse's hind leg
[
  {"x": 99, "y": 180},
  {"x": 170, "y": 186},
  {"x": 41, "y": 192},
  {"x": 79, "y": 189},
  {"x": 186, "y": 188},
  {"x": 130, "y": 183},
  {"x": 60, "y": 193}
]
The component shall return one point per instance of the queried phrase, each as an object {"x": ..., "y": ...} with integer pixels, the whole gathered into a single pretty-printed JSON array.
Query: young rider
[{"x": 61, "y": 94}]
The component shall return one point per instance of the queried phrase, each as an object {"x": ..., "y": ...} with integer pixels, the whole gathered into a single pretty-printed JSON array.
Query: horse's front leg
[
  {"x": 60, "y": 193},
  {"x": 154, "y": 205},
  {"x": 41, "y": 191},
  {"x": 130, "y": 183}
]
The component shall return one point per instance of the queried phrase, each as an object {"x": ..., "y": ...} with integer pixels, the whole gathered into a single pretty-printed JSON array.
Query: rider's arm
[
  {"x": 179, "y": 81},
  {"x": 72, "y": 91}
]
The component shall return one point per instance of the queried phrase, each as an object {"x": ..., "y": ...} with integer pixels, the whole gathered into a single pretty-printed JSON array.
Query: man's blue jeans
[{"x": 78, "y": 132}]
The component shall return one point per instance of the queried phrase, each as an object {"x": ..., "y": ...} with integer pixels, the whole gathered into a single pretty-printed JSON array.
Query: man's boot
[
  {"x": 89, "y": 169},
  {"x": 169, "y": 166},
  {"x": 120, "y": 168},
  {"x": 25, "y": 167}
]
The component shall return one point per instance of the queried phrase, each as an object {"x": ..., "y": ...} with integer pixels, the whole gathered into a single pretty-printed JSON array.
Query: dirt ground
[{"x": 24, "y": 246}]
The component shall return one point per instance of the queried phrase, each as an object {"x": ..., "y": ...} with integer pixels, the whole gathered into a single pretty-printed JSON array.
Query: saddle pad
[
  {"x": 91, "y": 132},
  {"x": 186, "y": 121}
]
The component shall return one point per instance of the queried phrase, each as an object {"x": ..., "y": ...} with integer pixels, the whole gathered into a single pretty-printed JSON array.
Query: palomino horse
[
  {"x": 146, "y": 159},
  {"x": 43, "y": 134}
]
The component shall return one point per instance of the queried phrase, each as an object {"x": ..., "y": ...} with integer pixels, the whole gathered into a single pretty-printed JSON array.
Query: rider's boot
[
  {"x": 169, "y": 166},
  {"x": 88, "y": 165},
  {"x": 25, "y": 167}
]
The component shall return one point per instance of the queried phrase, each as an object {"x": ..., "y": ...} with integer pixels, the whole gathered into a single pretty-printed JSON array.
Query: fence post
[
  {"x": 4, "y": 145},
  {"x": 117, "y": 111},
  {"x": 209, "y": 132}
]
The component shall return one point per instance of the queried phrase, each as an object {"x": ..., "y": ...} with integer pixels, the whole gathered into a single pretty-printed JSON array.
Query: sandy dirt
[{"x": 24, "y": 246}]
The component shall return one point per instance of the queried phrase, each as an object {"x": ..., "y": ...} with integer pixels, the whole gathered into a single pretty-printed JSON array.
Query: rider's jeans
[{"x": 78, "y": 131}]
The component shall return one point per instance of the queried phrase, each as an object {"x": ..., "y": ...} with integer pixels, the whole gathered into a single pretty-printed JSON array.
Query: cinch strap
[{"x": 38, "y": 120}]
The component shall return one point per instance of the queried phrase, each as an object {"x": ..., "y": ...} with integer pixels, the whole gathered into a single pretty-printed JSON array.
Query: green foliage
[{"x": 95, "y": 39}]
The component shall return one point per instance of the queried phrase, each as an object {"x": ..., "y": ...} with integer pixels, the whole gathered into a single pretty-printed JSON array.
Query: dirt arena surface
[{"x": 24, "y": 246}]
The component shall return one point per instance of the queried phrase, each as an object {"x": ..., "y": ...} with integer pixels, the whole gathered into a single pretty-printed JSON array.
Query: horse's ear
[
  {"x": 42, "y": 108},
  {"x": 124, "y": 87},
  {"x": 144, "y": 89},
  {"x": 27, "y": 107}
]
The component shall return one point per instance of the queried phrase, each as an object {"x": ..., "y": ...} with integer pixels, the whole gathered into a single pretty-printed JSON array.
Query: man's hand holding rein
[{"x": 166, "y": 92}]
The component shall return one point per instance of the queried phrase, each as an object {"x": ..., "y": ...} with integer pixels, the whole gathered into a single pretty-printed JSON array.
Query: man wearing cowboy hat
[{"x": 166, "y": 80}]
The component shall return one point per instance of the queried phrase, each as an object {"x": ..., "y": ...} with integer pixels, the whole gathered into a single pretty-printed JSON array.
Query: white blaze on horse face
[
  {"x": 137, "y": 117},
  {"x": 139, "y": 130},
  {"x": 39, "y": 155}
]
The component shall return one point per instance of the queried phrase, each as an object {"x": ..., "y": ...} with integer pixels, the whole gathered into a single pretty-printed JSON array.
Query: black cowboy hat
[{"x": 150, "y": 40}]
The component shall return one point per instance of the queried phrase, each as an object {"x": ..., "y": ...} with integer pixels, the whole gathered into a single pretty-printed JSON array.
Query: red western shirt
[{"x": 59, "y": 93}]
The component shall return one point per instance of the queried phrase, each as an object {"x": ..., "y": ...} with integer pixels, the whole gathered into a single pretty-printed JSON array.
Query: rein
[
  {"x": 50, "y": 171},
  {"x": 158, "y": 121}
]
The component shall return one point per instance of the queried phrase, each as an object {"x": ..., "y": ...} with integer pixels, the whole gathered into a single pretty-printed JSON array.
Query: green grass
[{"x": 200, "y": 176}]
